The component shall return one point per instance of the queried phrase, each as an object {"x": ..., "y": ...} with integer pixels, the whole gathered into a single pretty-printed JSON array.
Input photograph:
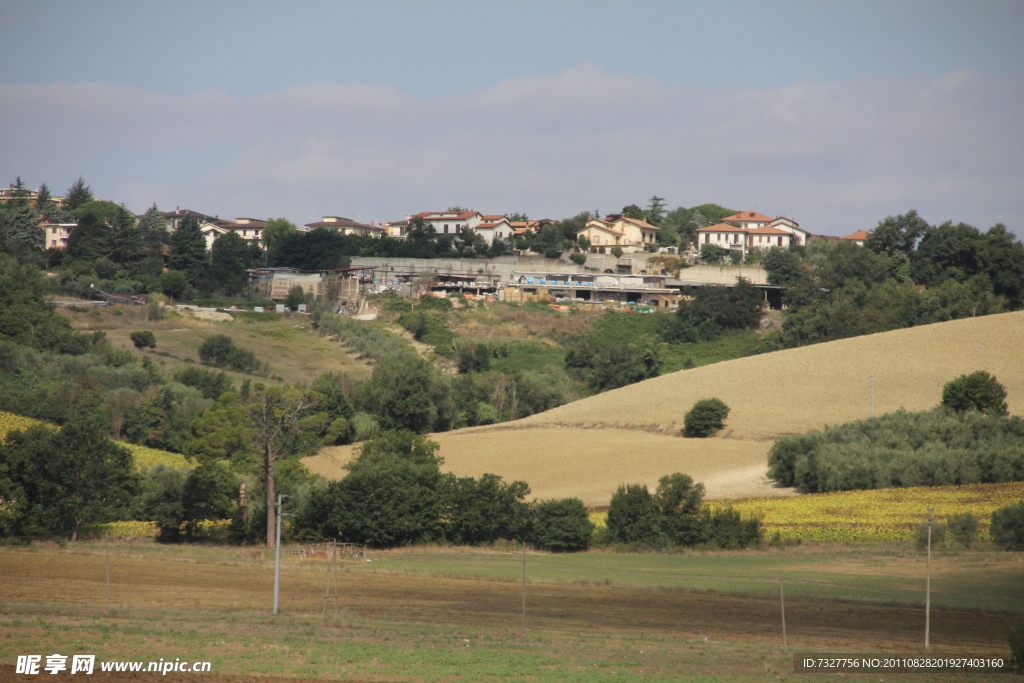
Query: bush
[
  {"x": 143, "y": 339},
  {"x": 978, "y": 391},
  {"x": 210, "y": 384},
  {"x": 220, "y": 352},
  {"x": 963, "y": 528},
  {"x": 562, "y": 526},
  {"x": 726, "y": 528},
  {"x": 1007, "y": 526},
  {"x": 296, "y": 296},
  {"x": 578, "y": 259},
  {"x": 921, "y": 535},
  {"x": 705, "y": 418},
  {"x": 634, "y": 517}
]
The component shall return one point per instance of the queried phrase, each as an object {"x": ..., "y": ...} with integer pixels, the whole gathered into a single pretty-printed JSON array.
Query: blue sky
[{"x": 833, "y": 113}]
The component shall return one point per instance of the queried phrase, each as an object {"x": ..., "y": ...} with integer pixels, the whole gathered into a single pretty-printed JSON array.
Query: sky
[{"x": 836, "y": 114}]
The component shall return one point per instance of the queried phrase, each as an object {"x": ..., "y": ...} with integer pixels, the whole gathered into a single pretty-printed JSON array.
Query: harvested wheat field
[
  {"x": 560, "y": 462},
  {"x": 631, "y": 435}
]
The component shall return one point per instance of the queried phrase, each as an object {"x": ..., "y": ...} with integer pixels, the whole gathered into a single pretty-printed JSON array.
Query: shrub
[
  {"x": 155, "y": 311},
  {"x": 296, "y": 296},
  {"x": 562, "y": 526},
  {"x": 727, "y": 528},
  {"x": 220, "y": 352},
  {"x": 921, "y": 535},
  {"x": 963, "y": 528},
  {"x": 978, "y": 391},
  {"x": 210, "y": 384},
  {"x": 1007, "y": 527},
  {"x": 578, "y": 259},
  {"x": 705, "y": 418},
  {"x": 143, "y": 339},
  {"x": 634, "y": 517},
  {"x": 617, "y": 252}
]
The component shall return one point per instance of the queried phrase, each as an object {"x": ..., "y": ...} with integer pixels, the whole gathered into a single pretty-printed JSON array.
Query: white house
[
  {"x": 629, "y": 234},
  {"x": 497, "y": 230},
  {"x": 722, "y": 235},
  {"x": 55, "y": 235},
  {"x": 451, "y": 222},
  {"x": 347, "y": 226},
  {"x": 800, "y": 236}
]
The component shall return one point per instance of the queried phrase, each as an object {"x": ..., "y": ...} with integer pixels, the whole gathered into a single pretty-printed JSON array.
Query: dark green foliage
[
  {"x": 978, "y": 391},
  {"x": 784, "y": 267},
  {"x": 1015, "y": 641},
  {"x": 485, "y": 510},
  {"x": 188, "y": 249},
  {"x": 634, "y": 517},
  {"x": 90, "y": 240},
  {"x": 921, "y": 535},
  {"x": 897, "y": 235},
  {"x": 296, "y": 296},
  {"x": 229, "y": 258},
  {"x": 178, "y": 501},
  {"x": 726, "y": 528},
  {"x": 472, "y": 358},
  {"x": 679, "y": 501},
  {"x": 408, "y": 393},
  {"x": 963, "y": 527},
  {"x": 160, "y": 502},
  {"x": 578, "y": 259},
  {"x": 67, "y": 479},
  {"x": 705, "y": 418},
  {"x": 173, "y": 283},
  {"x": 712, "y": 253},
  {"x": 562, "y": 526},
  {"x": 615, "y": 364},
  {"x": 28, "y": 319},
  {"x": 734, "y": 308},
  {"x": 220, "y": 352},
  {"x": 143, "y": 339},
  {"x": 933, "y": 448},
  {"x": 78, "y": 194},
  {"x": 210, "y": 384},
  {"x": 1007, "y": 527}
]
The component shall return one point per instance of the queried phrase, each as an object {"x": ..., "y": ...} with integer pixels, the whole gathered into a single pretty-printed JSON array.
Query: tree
[
  {"x": 125, "y": 238},
  {"x": 1007, "y": 527},
  {"x": 143, "y": 339},
  {"x": 679, "y": 500},
  {"x": 897, "y": 235},
  {"x": 229, "y": 258},
  {"x": 578, "y": 259},
  {"x": 406, "y": 394},
  {"x": 655, "y": 210},
  {"x": 79, "y": 193},
  {"x": 90, "y": 239},
  {"x": 220, "y": 352},
  {"x": 188, "y": 249},
  {"x": 173, "y": 283},
  {"x": 712, "y": 253},
  {"x": 617, "y": 251},
  {"x": 705, "y": 418},
  {"x": 69, "y": 477},
  {"x": 296, "y": 296},
  {"x": 562, "y": 526},
  {"x": 633, "y": 211},
  {"x": 784, "y": 267},
  {"x": 633, "y": 516},
  {"x": 978, "y": 391},
  {"x": 485, "y": 510},
  {"x": 963, "y": 527},
  {"x": 286, "y": 422},
  {"x": 276, "y": 230}
]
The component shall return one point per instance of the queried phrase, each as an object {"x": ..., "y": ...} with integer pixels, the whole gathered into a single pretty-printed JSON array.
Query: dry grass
[
  {"x": 560, "y": 462},
  {"x": 796, "y": 390},
  {"x": 587, "y": 448},
  {"x": 295, "y": 352}
]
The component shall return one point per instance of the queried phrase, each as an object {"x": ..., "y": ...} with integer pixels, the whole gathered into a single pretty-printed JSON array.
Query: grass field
[
  {"x": 296, "y": 353},
  {"x": 453, "y": 614}
]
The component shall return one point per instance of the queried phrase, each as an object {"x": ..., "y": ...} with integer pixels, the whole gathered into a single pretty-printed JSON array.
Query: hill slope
[{"x": 588, "y": 447}]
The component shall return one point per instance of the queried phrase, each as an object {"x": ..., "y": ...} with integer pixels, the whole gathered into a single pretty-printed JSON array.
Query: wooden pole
[
  {"x": 106, "y": 546},
  {"x": 524, "y": 587},
  {"x": 928, "y": 588},
  {"x": 782, "y": 605}
]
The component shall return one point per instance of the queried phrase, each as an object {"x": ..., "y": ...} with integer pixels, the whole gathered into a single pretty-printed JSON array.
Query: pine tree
[
  {"x": 79, "y": 193},
  {"x": 188, "y": 249}
]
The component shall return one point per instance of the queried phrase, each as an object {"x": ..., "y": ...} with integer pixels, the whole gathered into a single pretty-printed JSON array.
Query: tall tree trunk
[{"x": 268, "y": 468}]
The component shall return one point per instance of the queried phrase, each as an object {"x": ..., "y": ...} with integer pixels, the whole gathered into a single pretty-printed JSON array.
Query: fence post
[
  {"x": 524, "y": 587},
  {"x": 782, "y": 605}
]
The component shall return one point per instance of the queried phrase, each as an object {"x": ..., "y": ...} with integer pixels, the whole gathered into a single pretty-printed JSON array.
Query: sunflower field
[{"x": 876, "y": 515}]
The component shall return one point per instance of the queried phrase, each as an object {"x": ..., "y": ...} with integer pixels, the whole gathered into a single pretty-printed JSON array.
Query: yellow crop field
[
  {"x": 631, "y": 435},
  {"x": 796, "y": 390},
  {"x": 561, "y": 462},
  {"x": 878, "y": 515},
  {"x": 144, "y": 457}
]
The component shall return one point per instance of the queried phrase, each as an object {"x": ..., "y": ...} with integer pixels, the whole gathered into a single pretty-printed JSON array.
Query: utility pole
[
  {"x": 871, "y": 384},
  {"x": 782, "y": 604},
  {"x": 524, "y": 587},
  {"x": 277, "y": 553},
  {"x": 928, "y": 585}
]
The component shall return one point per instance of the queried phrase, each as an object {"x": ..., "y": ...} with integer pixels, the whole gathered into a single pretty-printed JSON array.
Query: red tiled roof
[
  {"x": 859, "y": 235},
  {"x": 766, "y": 230},
  {"x": 720, "y": 227},
  {"x": 749, "y": 216},
  {"x": 494, "y": 217}
]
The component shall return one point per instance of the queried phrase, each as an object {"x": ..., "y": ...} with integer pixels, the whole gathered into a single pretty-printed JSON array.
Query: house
[
  {"x": 347, "y": 226},
  {"x": 751, "y": 220},
  {"x": 800, "y": 236},
  {"x": 748, "y": 219},
  {"x": 451, "y": 222},
  {"x": 766, "y": 237},
  {"x": 722, "y": 235},
  {"x": 629, "y": 234},
  {"x": 55, "y": 235},
  {"x": 249, "y": 229},
  {"x": 500, "y": 229},
  {"x": 858, "y": 237},
  {"x": 174, "y": 218}
]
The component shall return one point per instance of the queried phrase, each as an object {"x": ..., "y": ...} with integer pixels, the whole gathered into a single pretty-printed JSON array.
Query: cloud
[{"x": 835, "y": 156}]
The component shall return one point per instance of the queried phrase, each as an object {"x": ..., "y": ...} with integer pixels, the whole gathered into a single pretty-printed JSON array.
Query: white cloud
[{"x": 835, "y": 156}]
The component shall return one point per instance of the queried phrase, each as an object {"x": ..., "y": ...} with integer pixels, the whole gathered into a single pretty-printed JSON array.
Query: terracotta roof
[
  {"x": 721, "y": 227},
  {"x": 766, "y": 230},
  {"x": 485, "y": 225},
  {"x": 749, "y": 216},
  {"x": 341, "y": 223},
  {"x": 642, "y": 223},
  {"x": 494, "y": 217},
  {"x": 859, "y": 235}
]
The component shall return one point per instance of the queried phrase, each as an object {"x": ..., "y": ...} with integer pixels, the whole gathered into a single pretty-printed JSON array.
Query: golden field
[
  {"x": 878, "y": 515},
  {"x": 631, "y": 435},
  {"x": 144, "y": 457}
]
